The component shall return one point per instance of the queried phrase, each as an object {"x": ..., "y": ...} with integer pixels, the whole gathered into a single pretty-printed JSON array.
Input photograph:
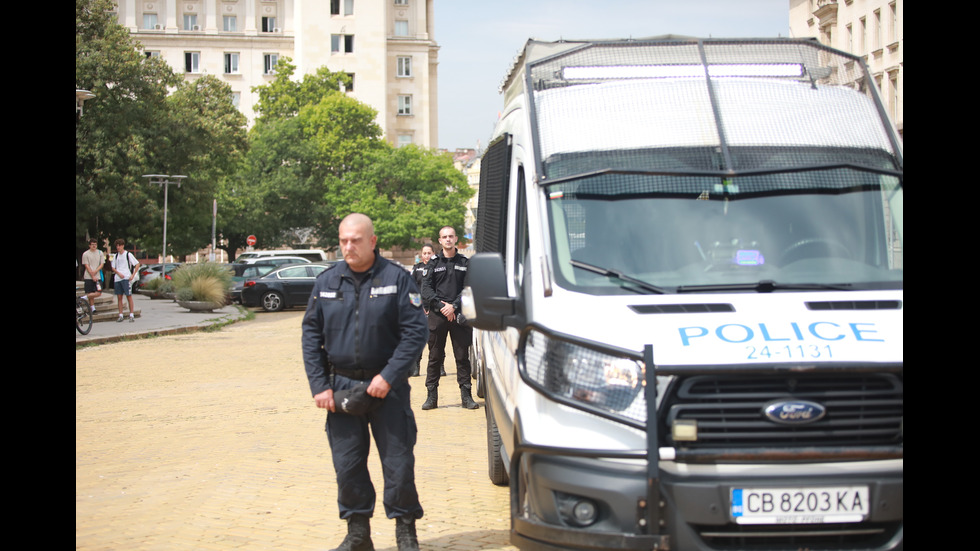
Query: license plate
[{"x": 800, "y": 505}]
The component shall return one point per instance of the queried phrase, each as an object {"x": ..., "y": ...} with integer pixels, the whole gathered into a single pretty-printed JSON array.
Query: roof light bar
[{"x": 682, "y": 71}]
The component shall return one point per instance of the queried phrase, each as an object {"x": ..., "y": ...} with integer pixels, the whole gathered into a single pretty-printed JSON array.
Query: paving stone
[{"x": 211, "y": 440}]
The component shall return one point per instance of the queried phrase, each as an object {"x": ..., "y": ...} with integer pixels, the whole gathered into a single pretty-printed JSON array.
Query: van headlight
[{"x": 580, "y": 375}]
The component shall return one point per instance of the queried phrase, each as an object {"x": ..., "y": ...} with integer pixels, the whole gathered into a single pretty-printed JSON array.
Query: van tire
[{"x": 495, "y": 462}]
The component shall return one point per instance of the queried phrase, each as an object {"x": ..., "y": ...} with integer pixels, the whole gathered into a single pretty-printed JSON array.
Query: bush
[
  {"x": 205, "y": 282},
  {"x": 184, "y": 294},
  {"x": 153, "y": 284}
]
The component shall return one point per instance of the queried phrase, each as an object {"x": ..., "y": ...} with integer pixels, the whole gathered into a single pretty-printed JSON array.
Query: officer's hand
[
  {"x": 448, "y": 311},
  {"x": 379, "y": 387},
  {"x": 325, "y": 400}
]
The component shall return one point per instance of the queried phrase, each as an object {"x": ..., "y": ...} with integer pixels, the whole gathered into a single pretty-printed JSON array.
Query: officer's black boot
[
  {"x": 358, "y": 535},
  {"x": 432, "y": 400},
  {"x": 405, "y": 535},
  {"x": 468, "y": 402}
]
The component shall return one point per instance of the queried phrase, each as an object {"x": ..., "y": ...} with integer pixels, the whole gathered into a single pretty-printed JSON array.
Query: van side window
[
  {"x": 491, "y": 224},
  {"x": 521, "y": 240}
]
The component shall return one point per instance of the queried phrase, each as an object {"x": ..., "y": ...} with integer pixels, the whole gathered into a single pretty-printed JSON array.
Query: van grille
[
  {"x": 866, "y": 535},
  {"x": 861, "y": 410}
]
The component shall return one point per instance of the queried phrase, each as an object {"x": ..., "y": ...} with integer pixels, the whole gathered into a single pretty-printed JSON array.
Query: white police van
[{"x": 687, "y": 297}]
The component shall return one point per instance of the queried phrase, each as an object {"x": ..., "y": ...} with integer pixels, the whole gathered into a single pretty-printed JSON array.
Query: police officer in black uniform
[
  {"x": 364, "y": 326},
  {"x": 441, "y": 289},
  {"x": 418, "y": 272}
]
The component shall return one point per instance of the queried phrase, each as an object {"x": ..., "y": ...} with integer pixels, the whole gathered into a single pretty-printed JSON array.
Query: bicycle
[{"x": 83, "y": 316}]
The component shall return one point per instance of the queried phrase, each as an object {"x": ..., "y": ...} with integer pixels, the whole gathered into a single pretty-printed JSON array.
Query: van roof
[{"x": 700, "y": 95}]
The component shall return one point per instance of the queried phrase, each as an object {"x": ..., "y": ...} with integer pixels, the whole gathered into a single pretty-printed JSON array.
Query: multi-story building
[
  {"x": 387, "y": 46},
  {"x": 871, "y": 29},
  {"x": 468, "y": 161}
]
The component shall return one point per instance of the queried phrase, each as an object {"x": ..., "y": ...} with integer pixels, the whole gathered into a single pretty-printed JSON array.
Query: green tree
[
  {"x": 206, "y": 141},
  {"x": 307, "y": 137},
  {"x": 146, "y": 119},
  {"x": 410, "y": 192},
  {"x": 316, "y": 154},
  {"x": 114, "y": 139}
]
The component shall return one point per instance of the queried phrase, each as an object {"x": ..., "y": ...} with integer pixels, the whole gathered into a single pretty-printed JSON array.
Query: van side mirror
[{"x": 486, "y": 304}]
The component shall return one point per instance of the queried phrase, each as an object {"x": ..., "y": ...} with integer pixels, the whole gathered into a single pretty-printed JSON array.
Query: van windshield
[{"x": 833, "y": 228}]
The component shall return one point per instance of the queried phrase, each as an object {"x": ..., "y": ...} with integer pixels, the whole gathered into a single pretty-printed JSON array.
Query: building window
[
  {"x": 236, "y": 99},
  {"x": 269, "y": 63},
  {"x": 850, "y": 39},
  {"x": 863, "y": 38},
  {"x": 151, "y": 53},
  {"x": 230, "y": 23},
  {"x": 150, "y": 21},
  {"x": 190, "y": 22},
  {"x": 348, "y": 87},
  {"x": 405, "y": 105},
  {"x": 877, "y": 30},
  {"x": 893, "y": 96},
  {"x": 893, "y": 27},
  {"x": 401, "y": 2},
  {"x": 269, "y": 25},
  {"x": 342, "y": 43},
  {"x": 404, "y": 139},
  {"x": 404, "y": 66},
  {"x": 192, "y": 62},
  {"x": 401, "y": 28},
  {"x": 231, "y": 63},
  {"x": 347, "y": 4}
]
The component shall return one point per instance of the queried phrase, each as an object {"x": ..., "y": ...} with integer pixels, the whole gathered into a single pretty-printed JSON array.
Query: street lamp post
[{"x": 165, "y": 181}]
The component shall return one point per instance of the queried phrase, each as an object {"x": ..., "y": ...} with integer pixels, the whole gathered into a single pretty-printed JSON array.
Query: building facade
[
  {"x": 386, "y": 46},
  {"x": 872, "y": 29}
]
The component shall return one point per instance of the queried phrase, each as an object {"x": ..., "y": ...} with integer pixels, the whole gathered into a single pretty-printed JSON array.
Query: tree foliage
[
  {"x": 316, "y": 155},
  {"x": 146, "y": 119}
]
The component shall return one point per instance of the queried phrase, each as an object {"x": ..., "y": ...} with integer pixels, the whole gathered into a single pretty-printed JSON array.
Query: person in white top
[
  {"x": 92, "y": 260},
  {"x": 125, "y": 266}
]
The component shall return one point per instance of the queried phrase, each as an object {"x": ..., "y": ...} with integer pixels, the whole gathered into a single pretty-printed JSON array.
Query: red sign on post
[{"x": 250, "y": 240}]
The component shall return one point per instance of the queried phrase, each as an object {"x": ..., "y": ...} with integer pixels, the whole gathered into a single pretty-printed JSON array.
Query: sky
[{"x": 478, "y": 41}]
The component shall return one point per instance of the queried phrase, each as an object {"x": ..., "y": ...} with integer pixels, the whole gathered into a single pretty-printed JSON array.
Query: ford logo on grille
[{"x": 794, "y": 412}]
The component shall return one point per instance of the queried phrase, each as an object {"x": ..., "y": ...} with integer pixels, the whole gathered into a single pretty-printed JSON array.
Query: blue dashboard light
[{"x": 749, "y": 258}]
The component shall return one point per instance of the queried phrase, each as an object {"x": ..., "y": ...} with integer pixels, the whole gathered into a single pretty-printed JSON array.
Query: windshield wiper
[
  {"x": 616, "y": 274},
  {"x": 765, "y": 286}
]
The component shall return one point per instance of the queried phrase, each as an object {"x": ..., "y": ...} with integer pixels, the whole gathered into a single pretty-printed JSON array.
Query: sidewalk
[{"x": 158, "y": 317}]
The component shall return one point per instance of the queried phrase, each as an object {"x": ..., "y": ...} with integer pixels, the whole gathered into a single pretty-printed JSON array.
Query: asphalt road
[{"x": 210, "y": 440}]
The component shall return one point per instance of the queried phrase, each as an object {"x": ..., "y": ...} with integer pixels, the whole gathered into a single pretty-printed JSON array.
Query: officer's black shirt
[
  {"x": 373, "y": 323},
  {"x": 444, "y": 281}
]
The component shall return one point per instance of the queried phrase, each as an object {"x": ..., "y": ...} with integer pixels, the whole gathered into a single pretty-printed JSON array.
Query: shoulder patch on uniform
[{"x": 415, "y": 299}]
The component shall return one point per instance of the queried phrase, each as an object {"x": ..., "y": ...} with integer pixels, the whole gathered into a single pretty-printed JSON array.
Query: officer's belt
[{"x": 356, "y": 374}]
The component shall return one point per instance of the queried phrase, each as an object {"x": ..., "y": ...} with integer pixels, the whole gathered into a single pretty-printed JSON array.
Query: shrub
[
  {"x": 153, "y": 284},
  {"x": 206, "y": 282},
  {"x": 185, "y": 294}
]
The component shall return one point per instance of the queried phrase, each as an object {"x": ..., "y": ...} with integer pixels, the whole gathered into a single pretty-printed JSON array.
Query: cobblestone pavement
[{"x": 212, "y": 441}]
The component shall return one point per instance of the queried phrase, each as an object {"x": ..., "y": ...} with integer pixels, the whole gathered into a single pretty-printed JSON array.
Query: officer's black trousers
[
  {"x": 395, "y": 432},
  {"x": 462, "y": 337}
]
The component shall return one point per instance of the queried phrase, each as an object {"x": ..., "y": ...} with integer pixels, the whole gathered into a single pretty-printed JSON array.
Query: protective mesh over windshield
[{"x": 609, "y": 105}]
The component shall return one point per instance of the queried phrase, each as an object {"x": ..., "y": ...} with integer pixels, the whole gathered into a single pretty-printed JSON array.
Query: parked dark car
[
  {"x": 283, "y": 287},
  {"x": 242, "y": 272}
]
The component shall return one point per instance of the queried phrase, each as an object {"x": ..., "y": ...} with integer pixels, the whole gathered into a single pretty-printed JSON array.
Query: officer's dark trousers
[
  {"x": 462, "y": 337},
  {"x": 394, "y": 429}
]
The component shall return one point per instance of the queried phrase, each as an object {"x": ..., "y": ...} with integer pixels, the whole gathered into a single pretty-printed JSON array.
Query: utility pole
[{"x": 165, "y": 181}]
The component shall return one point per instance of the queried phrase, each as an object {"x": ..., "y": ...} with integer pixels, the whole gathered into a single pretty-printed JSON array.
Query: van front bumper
[{"x": 692, "y": 509}]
